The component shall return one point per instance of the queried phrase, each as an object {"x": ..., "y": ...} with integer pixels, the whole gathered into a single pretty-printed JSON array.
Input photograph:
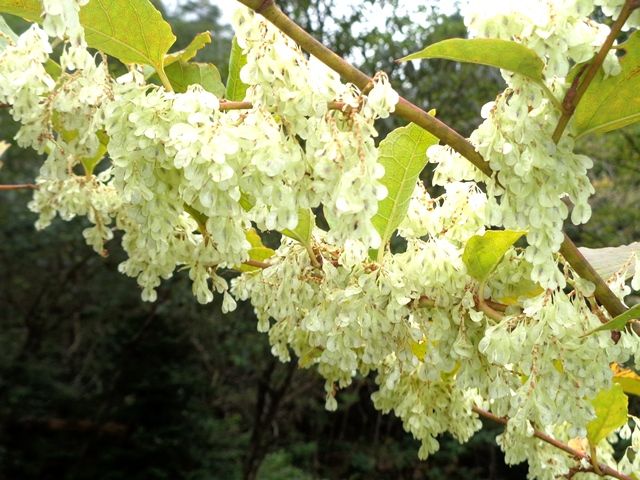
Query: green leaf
[
  {"x": 236, "y": 89},
  {"x": 90, "y": 164},
  {"x": 619, "y": 322},
  {"x": 627, "y": 379},
  {"x": 524, "y": 288},
  {"x": 181, "y": 75},
  {"x": 482, "y": 254},
  {"x": 186, "y": 54},
  {"x": 257, "y": 251},
  {"x": 403, "y": 153},
  {"x": 28, "y": 9},
  {"x": 612, "y": 102},
  {"x": 503, "y": 54},
  {"x": 611, "y": 413},
  {"x": 302, "y": 232},
  {"x": 133, "y": 31}
]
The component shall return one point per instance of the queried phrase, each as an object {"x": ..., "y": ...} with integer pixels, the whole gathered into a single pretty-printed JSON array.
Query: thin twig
[
  {"x": 21, "y": 186},
  {"x": 230, "y": 105},
  {"x": 605, "y": 469},
  {"x": 415, "y": 114},
  {"x": 257, "y": 264},
  {"x": 574, "y": 95}
]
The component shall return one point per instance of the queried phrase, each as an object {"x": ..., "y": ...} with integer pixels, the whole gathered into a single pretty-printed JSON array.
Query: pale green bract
[{"x": 187, "y": 180}]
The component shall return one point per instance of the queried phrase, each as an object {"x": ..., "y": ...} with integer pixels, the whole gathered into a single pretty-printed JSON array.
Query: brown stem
[
  {"x": 404, "y": 109},
  {"x": 415, "y": 114},
  {"x": 257, "y": 264},
  {"x": 580, "y": 264},
  {"x": 605, "y": 469},
  {"x": 22, "y": 186},
  {"x": 230, "y": 105},
  {"x": 575, "y": 93}
]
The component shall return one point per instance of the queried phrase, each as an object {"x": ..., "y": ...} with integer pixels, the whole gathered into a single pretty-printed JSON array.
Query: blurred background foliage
[{"x": 95, "y": 384}]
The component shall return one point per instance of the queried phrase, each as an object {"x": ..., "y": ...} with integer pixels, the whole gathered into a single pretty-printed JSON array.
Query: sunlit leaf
[
  {"x": 493, "y": 52},
  {"x": 612, "y": 102},
  {"x": 483, "y": 253},
  {"x": 28, "y": 9},
  {"x": 181, "y": 75},
  {"x": 186, "y": 54},
  {"x": 403, "y": 154},
  {"x": 302, "y": 232},
  {"x": 236, "y": 89},
  {"x": 257, "y": 252},
  {"x": 133, "y": 31},
  {"x": 611, "y": 413},
  {"x": 627, "y": 379}
]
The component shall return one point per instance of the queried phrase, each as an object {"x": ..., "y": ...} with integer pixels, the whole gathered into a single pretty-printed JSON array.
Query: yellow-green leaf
[
  {"x": 191, "y": 50},
  {"x": 90, "y": 164},
  {"x": 493, "y": 52},
  {"x": 619, "y": 322},
  {"x": 627, "y": 379},
  {"x": 524, "y": 288},
  {"x": 257, "y": 251},
  {"x": 612, "y": 102},
  {"x": 302, "y": 232},
  {"x": 133, "y": 31},
  {"x": 28, "y": 9},
  {"x": 236, "y": 89},
  {"x": 483, "y": 253},
  {"x": 611, "y": 413},
  {"x": 182, "y": 74},
  {"x": 403, "y": 153}
]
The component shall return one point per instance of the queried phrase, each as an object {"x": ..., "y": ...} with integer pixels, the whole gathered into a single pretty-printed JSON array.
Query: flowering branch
[
  {"x": 578, "y": 89},
  {"x": 415, "y": 114},
  {"x": 605, "y": 470},
  {"x": 404, "y": 109}
]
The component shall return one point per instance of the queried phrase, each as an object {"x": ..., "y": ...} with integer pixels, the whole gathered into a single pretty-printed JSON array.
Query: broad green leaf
[
  {"x": 503, "y": 54},
  {"x": 133, "y": 31},
  {"x": 627, "y": 379},
  {"x": 619, "y": 322},
  {"x": 257, "y": 251},
  {"x": 302, "y": 232},
  {"x": 403, "y": 154},
  {"x": 612, "y": 102},
  {"x": 181, "y": 75},
  {"x": 483, "y": 253},
  {"x": 609, "y": 260},
  {"x": 198, "y": 43},
  {"x": 611, "y": 413},
  {"x": 236, "y": 89},
  {"x": 28, "y": 9}
]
